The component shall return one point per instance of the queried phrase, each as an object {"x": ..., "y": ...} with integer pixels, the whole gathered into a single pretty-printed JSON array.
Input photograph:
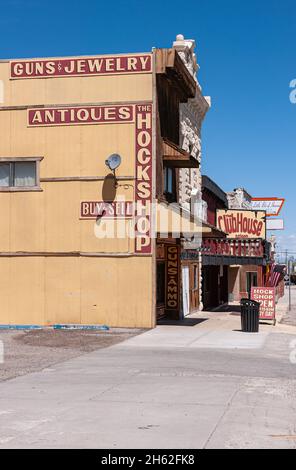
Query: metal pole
[
  {"x": 287, "y": 267},
  {"x": 289, "y": 272}
]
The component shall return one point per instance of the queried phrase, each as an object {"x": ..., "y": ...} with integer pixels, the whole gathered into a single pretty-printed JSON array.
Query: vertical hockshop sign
[
  {"x": 272, "y": 205},
  {"x": 172, "y": 261},
  {"x": 143, "y": 183},
  {"x": 242, "y": 224},
  {"x": 266, "y": 297}
]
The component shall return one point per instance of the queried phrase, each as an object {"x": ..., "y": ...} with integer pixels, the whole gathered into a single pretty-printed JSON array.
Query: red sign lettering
[
  {"x": 79, "y": 115},
  {"x": 82, "y": 66},
  {"x": 143, "y": 185}
]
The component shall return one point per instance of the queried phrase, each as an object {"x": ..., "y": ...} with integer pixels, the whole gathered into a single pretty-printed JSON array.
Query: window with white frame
[{"x": 19, "y": 174}]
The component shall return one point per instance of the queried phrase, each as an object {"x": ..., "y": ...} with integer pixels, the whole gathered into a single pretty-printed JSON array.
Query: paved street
[
  {"x": 289, "y": 317},
  {"x": 204, "y": 384}
]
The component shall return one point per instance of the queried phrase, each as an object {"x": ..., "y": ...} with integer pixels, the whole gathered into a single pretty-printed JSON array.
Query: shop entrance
[
  {"x": 160, "y": 289},
  {"x": 252, "y": 281},
  {"x": 185, "y": 290},
  {"x": 215, "y": 286},
  {"x": 168, "y": 274},
  {"x": 190, "y": 287}
]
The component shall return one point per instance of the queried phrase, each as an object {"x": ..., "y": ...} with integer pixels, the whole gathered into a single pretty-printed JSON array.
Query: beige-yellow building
[
  {"x": 54, "y": 269},
  {"x": 60, "y": 120}
]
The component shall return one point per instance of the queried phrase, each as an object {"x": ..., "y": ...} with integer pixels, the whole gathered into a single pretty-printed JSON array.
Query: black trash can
[{"x": 250, "y": 315}]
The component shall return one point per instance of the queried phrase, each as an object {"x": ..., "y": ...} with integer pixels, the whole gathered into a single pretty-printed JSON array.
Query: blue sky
[{"x": 247, "y": 54}]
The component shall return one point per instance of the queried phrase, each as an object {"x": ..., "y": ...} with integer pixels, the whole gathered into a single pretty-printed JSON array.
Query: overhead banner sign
[
  {"x": 245, "y": 248},
  {"x": 275, "y": 224},
  {"x": 272, "y": 205},
  {"x": 242, "y": 224},
  {"x": 80, "y": 66}
]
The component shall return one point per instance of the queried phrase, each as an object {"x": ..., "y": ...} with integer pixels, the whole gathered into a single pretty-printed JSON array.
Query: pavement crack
[{"x": 228, "y": 405}]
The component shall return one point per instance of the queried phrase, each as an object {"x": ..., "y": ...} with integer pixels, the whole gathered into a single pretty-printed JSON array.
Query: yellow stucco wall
[
  {"x": 47, "y": 290},
  {"x": 72, "y": 90},
  {"x": 114, "y": 290}
]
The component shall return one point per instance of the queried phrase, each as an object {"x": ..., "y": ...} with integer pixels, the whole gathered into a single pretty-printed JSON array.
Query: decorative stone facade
[
  {"x": 192, "y": 115},
  {"x": 191, "y": 118},
  {"x": 239, "y": 198}
]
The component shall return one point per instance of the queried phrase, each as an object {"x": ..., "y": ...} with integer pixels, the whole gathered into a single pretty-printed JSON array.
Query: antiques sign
[
  {"x": 79, "y": 115},
  {"x": 81, "y": 66},
  {"x": 172, "y": 277},
  {"x": 266, "y": 297},
  {"x": 242, "y": 224}
]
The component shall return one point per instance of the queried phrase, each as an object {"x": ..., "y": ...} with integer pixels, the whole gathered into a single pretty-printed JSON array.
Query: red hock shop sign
[
  {"x": 143, "y": 183},
  {"x": 242, "y": 223},
  {"x": 266, "y": 297},
  {"x": 81, "y": 66},
  {"x": 248, "y": 248}
]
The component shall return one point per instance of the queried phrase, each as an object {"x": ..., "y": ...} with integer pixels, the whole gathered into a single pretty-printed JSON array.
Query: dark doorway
[{"x": 160, "y": 289}]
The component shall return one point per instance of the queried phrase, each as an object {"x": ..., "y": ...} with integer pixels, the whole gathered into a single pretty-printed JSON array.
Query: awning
[
  {"x": 176, "y": 222},
  {"x": 170, "y": 64},
  {"x": 175, "y": 157},
  {"x": 215, "y": 232}
]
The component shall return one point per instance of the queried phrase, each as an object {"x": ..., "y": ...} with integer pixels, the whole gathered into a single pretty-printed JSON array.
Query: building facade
[
  {"x": 234, "y": 261},
  {"x": 96, "y": 152},
  {"x": 214, "y": 272},
  {"x": 252, "y": 274}
]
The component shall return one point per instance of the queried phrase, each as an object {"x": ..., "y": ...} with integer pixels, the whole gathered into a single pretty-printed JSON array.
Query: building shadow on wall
[{"x": 109, "y": 188}]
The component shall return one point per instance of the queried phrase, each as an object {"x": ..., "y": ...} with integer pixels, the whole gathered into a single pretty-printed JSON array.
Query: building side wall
[
  {"x": 49, "y": 290},
  {"x": 74, "y": 90},
  {"x": 53, "y": 267}
]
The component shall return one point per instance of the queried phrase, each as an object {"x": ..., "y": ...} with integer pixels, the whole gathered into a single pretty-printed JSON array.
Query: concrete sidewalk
[{"x": 217, "y": 330}]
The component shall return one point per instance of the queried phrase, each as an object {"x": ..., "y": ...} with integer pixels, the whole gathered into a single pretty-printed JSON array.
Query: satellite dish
[{"x": 113, "y": 161}]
